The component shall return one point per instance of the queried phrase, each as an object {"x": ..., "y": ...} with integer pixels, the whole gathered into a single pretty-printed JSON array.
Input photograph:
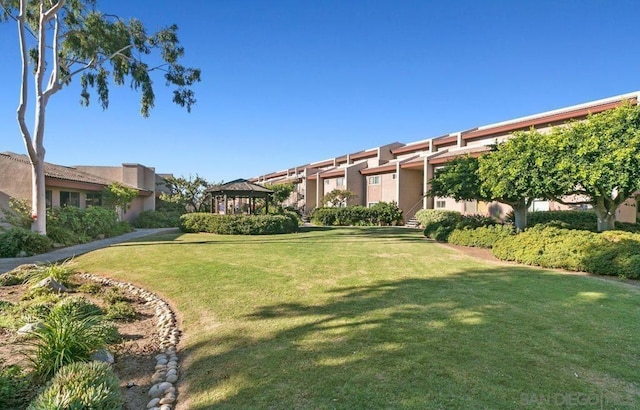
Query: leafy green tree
[
  {"x": 458, "y": 179},
  {"x": 119, "y": 197},
  {"x": 598, "y": 160},
  {"x": 189, "y": 193},
  {"x": 66, "y": 39},
  {"x": 281, "y": 192},
  {"x": 338, "y": 197},
  {"x": 515, "y": 173}
]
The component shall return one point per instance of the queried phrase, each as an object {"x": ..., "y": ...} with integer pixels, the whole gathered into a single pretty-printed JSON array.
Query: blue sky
[{"x": 285, "y": 83}]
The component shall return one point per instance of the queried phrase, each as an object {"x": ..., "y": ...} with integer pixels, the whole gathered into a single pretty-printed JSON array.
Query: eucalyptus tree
[{"x": 63, "y": 40}]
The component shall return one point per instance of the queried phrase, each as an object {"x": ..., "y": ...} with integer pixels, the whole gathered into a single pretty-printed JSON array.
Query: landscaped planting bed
[{"x": 144, "y": 345}]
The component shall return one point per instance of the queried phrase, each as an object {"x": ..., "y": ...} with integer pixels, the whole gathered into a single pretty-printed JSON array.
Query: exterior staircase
[{"x": 412, "y": 223}]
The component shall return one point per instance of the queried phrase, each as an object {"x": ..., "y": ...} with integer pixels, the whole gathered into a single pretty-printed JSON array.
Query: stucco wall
[{"x": 410, "y": 191}]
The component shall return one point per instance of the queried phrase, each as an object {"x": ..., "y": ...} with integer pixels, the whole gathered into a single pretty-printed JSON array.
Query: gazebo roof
[{"x": 239, "y": 188}]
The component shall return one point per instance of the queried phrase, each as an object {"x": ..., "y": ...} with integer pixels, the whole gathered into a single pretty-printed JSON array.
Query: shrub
[
  {"x": 585, "y": 220},
  {"x": 71, "y": 225},
  {"x": 238, "y": 224},
  {"x": 482, "y": 237},
  {"x": 77, "y": 306},
  {"x": 609, "y": 253},
  {"x": 14, "y": 387},
  {"x": 60, "y": 272},
  {"x": 81, "y": 386},
  {"x": 120, "y": 311},
  {"x": 18, "y": 214},
  {"x": 90, "y": 288},
  {"x": 387, "y": 213},
  {"x": 14, "y": 241},
  {"x": 64, "y": 338},
  {"x": 113, "y": 295},
  {"x": 99, "y": 221},
  {"x": 382, "y": 213},
  {"x": 157, "y": 219}
]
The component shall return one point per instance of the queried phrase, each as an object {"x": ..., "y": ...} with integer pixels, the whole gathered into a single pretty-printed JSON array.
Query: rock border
[{"x": 163, "y": 391}]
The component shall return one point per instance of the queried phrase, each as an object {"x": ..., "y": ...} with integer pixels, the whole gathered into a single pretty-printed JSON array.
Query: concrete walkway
[{"x": 7, "y": 264}]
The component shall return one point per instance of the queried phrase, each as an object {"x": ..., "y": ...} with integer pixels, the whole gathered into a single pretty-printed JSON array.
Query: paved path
[{"x": 6, "y": 264}]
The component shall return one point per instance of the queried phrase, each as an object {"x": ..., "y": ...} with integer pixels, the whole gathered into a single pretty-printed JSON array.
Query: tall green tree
[
  {"x": 458, "y": 179},
  {"x": 598, "y": 161},
  {"x": 513, "y": 173},
  {"x": 188, "y": 192},
  {"x": 62, "y": 40}
]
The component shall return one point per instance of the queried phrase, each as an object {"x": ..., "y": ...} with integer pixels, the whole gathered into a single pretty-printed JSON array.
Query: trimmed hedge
[
  {"x": 157, "y": 219},
  {"x": 612, "y": 253},
  {"x": 81, "y": 386},
  {"x": 439, "y": 224},
  {"x": 239, "y": 224},
  {"x": 382, "y": 213},
  {"x": 14, "y": 241},
  {"x": 482, "y": 237}
]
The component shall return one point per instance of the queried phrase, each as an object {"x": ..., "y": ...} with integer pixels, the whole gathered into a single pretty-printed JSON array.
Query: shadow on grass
[
  {"x": 477, "y": 339},
  {"x": 399, "y": 234}
]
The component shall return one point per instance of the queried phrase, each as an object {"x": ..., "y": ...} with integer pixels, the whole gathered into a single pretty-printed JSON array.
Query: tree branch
[{"x": 54, "y": 85}]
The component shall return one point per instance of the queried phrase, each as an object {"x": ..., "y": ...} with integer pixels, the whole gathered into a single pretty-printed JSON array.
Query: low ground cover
[
  {"x": 380, "y": 318},
  {"x": 68, "y": 328}
]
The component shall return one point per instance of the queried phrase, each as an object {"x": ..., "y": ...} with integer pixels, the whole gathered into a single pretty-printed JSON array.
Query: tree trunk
[
  {"x": 606, "y": 219},
  {"x": 520, "y": 216},
  {"x": 38, "y": 198}
]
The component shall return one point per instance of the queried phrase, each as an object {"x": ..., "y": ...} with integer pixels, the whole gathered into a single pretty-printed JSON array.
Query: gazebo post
[{"x": 226, "y": 204}]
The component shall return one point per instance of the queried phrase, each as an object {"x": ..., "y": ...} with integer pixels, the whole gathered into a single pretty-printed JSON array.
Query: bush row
[
  {"x": 439, "y": 224},
  {"x": 613, "y": 253},
  {"x": 382, "y": 213},
  {"x": 482, "y": 237},
  {"x": 239, "y": 224},
  {"x": 70, "y": 225},
  {"x": 157, "y": 219}
]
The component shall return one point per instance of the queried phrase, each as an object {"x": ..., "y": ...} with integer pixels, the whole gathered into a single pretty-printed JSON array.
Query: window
[
  {"x": 326, "y": 182},
  {"x": 93, "y": 199},
  {"x": 339, "y": 181},
  {"x": 48, "y": 199},
  {"x": 374, "y": 180},
  {"x": 69, "y": 199},
  {"x": 539, "y": 205},
  {"x": 441, "y": 204},
  {"x": 370, "y": 204},
  {"x": 393, "y": 176}
]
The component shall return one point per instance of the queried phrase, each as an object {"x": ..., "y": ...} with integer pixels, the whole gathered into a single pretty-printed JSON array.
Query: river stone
[
  {"x": 52, "y": 284},
  {"x": 30, "y": 328},
  {"x": 155, "y": 391},
  {"x": 153, "y": 403},
  {"x": 103, "y": 355}
]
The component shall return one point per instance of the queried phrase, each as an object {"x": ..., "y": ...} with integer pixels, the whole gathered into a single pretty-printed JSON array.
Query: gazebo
[{"x": 231, "y": 193}]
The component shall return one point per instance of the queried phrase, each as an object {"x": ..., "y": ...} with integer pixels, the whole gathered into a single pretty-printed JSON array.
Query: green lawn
[{"x": 381, "y": 318}]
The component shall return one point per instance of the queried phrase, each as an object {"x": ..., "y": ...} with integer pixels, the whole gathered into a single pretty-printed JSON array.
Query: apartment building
[
  {"x": 401, "y": 173},
  {"x": 79, "y": 186}
]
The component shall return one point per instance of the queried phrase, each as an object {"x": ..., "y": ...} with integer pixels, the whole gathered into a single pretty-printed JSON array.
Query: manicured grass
[{"x": 381, "y": 318}]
